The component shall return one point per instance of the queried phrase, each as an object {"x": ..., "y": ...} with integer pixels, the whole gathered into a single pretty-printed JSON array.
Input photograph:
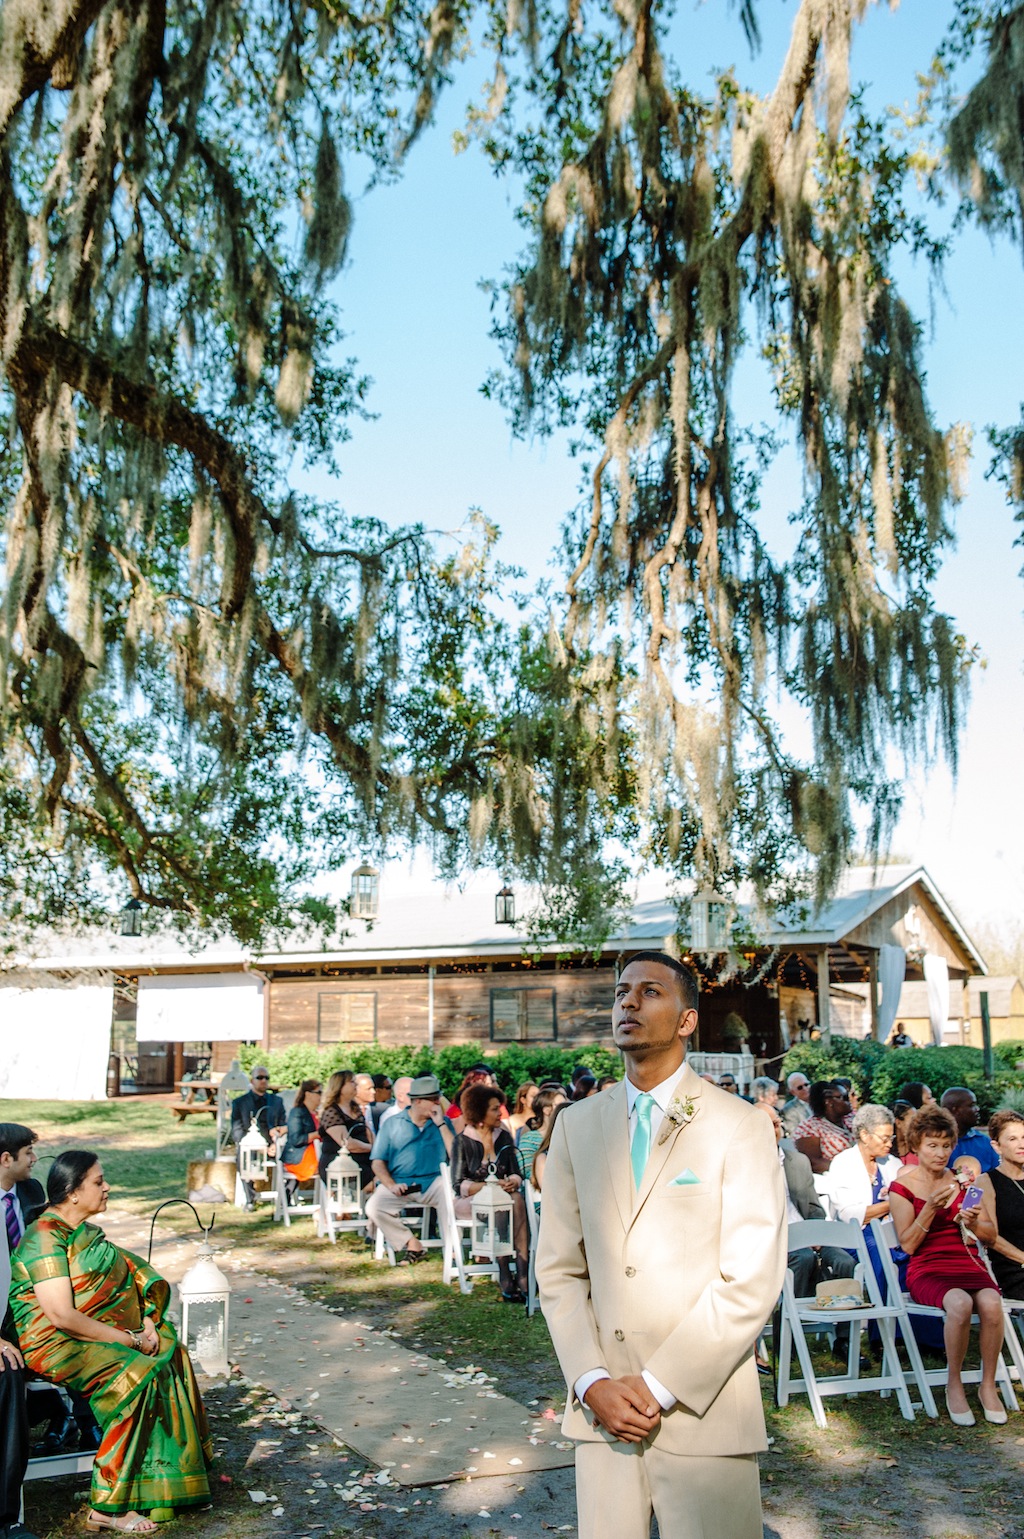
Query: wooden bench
[{"x": 187, "y": 1108}]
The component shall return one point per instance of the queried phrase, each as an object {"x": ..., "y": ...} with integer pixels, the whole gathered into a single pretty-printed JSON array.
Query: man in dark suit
[
  {"x": 266, "y": 1109},
  {"x": 21, "y": 1199}
]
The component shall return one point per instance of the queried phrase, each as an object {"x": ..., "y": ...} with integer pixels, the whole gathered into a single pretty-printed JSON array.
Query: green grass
[{"x": 143, "y": 1149}]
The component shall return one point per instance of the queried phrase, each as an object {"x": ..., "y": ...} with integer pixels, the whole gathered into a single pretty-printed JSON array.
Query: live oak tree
[{"x": 214, "y": 686}]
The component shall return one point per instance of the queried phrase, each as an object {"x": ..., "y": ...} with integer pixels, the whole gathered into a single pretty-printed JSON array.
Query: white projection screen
[
  {"x": 54, "y": 1042},
  {"x": 203, "y": 1007}
]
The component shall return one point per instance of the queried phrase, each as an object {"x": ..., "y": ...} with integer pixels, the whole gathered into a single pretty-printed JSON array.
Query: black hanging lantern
[
  {"x": 505, "y": 906},
  {"x": 365, "y": 895},
  {"x": 131, "y": 918}
]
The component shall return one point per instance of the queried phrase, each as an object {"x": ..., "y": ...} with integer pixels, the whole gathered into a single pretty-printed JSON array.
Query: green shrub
[
  {"x": 843, "y": 1056},
  {"x": 940, "y": 1068},
  {"x": 511, "y": 1066},
  {"x": 1008, "y": 1054}
]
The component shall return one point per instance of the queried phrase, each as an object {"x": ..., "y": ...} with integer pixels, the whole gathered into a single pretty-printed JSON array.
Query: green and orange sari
[{"x": 156, "y": 1448}]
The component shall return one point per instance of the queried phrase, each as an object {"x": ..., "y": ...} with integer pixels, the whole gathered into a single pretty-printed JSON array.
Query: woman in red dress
[{"x": 943, "y": 1270}]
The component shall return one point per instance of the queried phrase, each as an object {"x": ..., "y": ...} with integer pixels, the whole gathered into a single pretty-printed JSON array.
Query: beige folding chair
[
  {"x": 798, "y": 1314},
  {"x": 886, "y": 1241}
]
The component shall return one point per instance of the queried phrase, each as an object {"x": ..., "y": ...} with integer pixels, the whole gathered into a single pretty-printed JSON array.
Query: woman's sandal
[{"x": 123, "y": 1523}]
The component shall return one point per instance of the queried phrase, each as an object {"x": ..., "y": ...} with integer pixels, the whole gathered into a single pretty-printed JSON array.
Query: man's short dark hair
[
  {"x": 955, "y": 1094},
  {"x": 687, "y": 979},
  {"x": 14, "y": 1137}
]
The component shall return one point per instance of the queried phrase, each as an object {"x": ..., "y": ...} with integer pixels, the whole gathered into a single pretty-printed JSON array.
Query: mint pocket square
[{"x": 686, "y": 1178}]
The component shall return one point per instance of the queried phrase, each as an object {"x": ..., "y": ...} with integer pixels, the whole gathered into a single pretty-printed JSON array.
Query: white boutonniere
[{"x": 677, "y": 1114}]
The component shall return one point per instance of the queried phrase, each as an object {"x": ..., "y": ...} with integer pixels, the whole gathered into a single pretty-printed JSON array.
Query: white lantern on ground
[
  {"x": 492, "y": 1220},
  {"x": 252, "y": 1155},
  {"x": 344, "y": 1181},
  {"x": 204, "y": 1292}
]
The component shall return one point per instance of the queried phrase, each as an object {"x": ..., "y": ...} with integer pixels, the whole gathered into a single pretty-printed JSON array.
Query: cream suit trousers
[{"x": 619, "y": 1486}]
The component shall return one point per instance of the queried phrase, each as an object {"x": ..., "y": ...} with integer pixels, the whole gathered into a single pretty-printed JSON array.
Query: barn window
[
  {"x": 523, "y": 1015},
  {"x": 347, "y": 1017}
]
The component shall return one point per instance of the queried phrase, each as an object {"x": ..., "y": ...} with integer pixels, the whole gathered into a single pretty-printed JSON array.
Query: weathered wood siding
[{"x": 462, "y": 1005}]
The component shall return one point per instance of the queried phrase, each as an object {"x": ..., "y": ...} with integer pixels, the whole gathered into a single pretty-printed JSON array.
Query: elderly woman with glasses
[{"x": 859, "y": 1178}]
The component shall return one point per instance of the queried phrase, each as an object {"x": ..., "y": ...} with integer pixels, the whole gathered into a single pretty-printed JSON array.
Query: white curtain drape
[
  {"x": 892, "y": 969},
  {"x": 936, "y": 976}
]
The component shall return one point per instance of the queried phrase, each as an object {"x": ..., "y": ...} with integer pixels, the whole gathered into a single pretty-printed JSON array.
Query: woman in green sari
[{"x": 93, "y": 1317}]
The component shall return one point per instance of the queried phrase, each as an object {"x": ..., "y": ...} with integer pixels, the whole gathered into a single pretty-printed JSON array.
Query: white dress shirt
[{"x": 662, "y": 1094}]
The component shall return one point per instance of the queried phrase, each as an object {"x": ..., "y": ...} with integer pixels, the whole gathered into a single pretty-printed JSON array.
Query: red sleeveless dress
[{"x": 942, "y": 1260}]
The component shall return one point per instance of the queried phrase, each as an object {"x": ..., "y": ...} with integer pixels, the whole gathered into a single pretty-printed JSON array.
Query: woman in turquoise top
[{"x": 532, "y": 1135}]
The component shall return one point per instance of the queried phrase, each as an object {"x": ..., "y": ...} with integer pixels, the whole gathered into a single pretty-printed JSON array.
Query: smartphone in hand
[{"x": 972, "y": 1198}]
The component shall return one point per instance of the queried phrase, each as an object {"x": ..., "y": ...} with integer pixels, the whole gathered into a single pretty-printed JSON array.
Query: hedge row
[
  {"x": 879, "y": 1072},
  {"x": 511, "y": 1067}
]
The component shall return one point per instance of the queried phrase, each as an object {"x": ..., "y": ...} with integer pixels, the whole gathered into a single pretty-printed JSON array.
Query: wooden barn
[{"x": 452, "y": 965}]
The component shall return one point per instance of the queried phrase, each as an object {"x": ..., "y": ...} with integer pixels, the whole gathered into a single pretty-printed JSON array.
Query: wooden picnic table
[{"x": 188, "y": 1106}]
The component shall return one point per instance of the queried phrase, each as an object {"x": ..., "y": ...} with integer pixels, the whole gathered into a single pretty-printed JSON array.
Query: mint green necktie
[{"x": 640, "y": 1148}]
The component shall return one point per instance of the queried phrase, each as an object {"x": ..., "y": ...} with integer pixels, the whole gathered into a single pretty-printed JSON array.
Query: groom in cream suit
[{"x": 661, "y": 1255}]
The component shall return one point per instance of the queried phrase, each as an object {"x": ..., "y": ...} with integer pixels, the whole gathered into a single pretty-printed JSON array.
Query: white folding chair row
[
  {"x": 885, "y": 1239},
  {"x": 800, "y": 1315}
]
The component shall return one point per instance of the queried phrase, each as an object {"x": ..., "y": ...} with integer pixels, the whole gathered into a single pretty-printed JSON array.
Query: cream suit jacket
[{"x": 677, "y": 1279}]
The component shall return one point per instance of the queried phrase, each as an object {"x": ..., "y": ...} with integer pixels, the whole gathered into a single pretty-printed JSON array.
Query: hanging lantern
[
  {"x": 710, "y": 921},
  {"x": 492, "y": 1220},
  {"x": 505, "y": 906},
  {"x": 204, "y": 1292},
  {"x": 131, "y": 918},
  {"x": 344, "y": 1183},
  {"x": 365, "y": 895},
  {"x": 252, "y": 1155}
]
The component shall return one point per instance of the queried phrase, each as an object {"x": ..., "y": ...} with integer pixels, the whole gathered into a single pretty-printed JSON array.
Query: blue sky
[{"x": 418, "y": 322}]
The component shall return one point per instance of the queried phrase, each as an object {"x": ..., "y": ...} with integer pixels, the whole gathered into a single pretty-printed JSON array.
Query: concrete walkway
[{"x": 409, "y": 1414}]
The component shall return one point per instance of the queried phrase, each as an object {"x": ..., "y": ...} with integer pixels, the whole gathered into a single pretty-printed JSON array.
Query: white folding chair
[
  {"x": 330, "y": 1222},
  {"x": 382, "y": 1248},
  {"x": 1013, "y": 1315},
  {"x": 284, "y": 1211},
  {"x": 458, "y": 1266},
  {"x": 43, "y": 1466},
  {"x": 886, "y": 1241},
  {"x": 532, "y": 1197},
  {"x": 798, "y": 1314}
]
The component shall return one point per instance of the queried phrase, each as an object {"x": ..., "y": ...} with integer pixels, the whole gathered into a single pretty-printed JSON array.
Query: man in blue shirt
[
  {"x": 964, "y": 1106},
  {"x": 410, "y": 1157}
]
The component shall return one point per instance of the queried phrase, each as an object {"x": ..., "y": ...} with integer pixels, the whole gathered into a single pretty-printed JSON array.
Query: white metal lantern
[
  {"x": 492, "y": 1220},
  {"x": 344, "y": 1181},
  {"x": 252, "y": 1155},
  {"x": 505, "y": 906},
  {"x": 710, "y": 921},
  {"x": 204, "y": 1292},
  {"x": 365, "y": 894}
]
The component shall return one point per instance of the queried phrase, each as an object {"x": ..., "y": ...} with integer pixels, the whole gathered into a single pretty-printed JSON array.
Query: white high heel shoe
[
  {"x": 997, "y": 1418},
  {"x": 962, "y": 1418}
]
